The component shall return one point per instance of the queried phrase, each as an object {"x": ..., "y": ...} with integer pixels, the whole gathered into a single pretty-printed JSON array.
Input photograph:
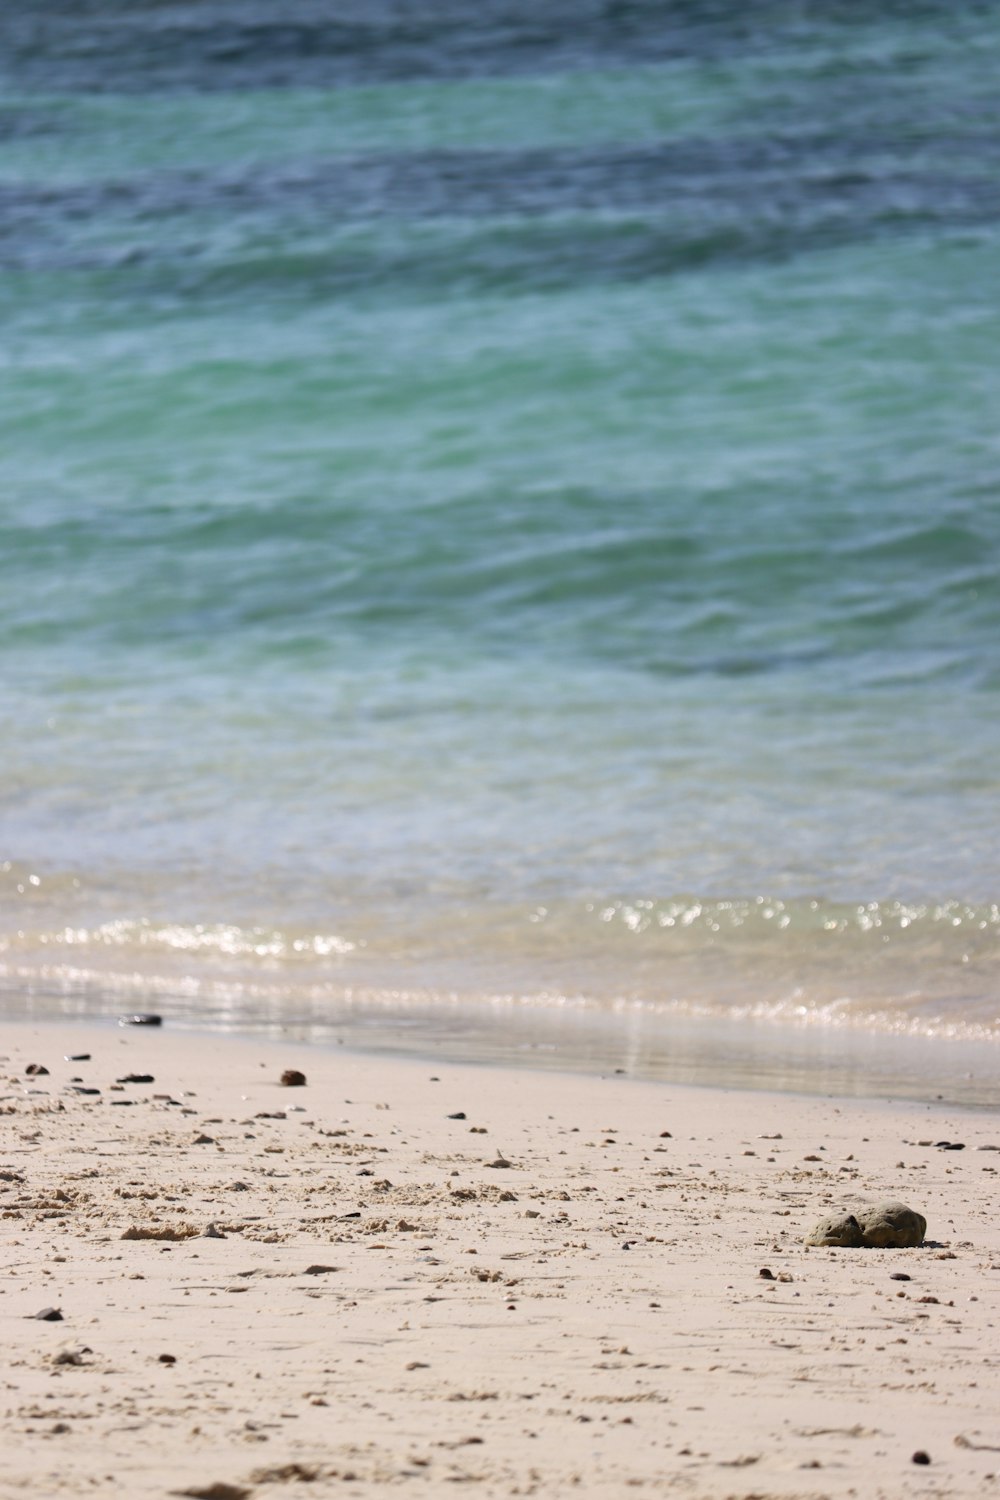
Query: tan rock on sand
[{"x": 886, "y": 1225}]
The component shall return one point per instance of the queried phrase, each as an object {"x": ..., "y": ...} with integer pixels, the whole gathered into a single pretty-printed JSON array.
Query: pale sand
[{"x": 388, "y": 1311}]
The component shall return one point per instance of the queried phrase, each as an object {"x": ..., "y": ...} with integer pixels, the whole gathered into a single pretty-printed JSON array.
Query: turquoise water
[{"x": 502, "y": 512}]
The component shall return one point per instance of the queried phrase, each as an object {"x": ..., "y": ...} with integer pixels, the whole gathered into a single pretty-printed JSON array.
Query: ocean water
[{"x": 500, "y": 528}]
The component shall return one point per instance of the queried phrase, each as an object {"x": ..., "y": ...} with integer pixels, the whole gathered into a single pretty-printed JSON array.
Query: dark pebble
[
  {"x": 137, "y": 1078},
  {"x": 79, "y": 1089},
  {"x": 143, "y": 1018},
  {"x": 293, "y": 1079},
  {"x": 36, "y": 1070},
  {"x": 77, "y": 1057},
  {"x": 47, "y": 1315},
  {"x": 459, "y": 1115},
  {"x": 765, "y": 1274},
  {"x": 920, "y": 1457},
  {"x": 168, "y": 1359},
  {"x": 899, "y": 1276}
]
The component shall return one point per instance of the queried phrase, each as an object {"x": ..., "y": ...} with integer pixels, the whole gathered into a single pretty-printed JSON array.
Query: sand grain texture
[{"x": 338, "y": 1289}]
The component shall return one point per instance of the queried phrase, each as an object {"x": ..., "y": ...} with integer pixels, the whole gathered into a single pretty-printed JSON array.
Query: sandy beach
[{"x": 407, "y": 1276}]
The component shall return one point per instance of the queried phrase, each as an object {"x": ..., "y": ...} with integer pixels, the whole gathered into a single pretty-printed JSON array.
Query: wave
[{"x": 889, "y": 967}]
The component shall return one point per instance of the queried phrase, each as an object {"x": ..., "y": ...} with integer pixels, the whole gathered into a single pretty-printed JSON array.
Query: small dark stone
[
  {"x": 79, "y": 1089},
  {"x": 137, "y": 1078},
  {"x": 665, "y": 1135},
  {"x": 36, "y": 1070},
  {"x": 920, "y": 1457},
  {"x": 168, "y": 1359},
  {"x": 765, "y": 1274},
  {"x": 355, "y": 1214},
  {"x": 953, "y": 1146},
  {"x": 293, "y": 1079},
  {"x": 899, "y": 1276},
  {"x": 77, "y": 1057},
  {"x": 47, "y": 1315},
  {"x": 142, "y": 1018},
  {"x": 458, "y": 1115},
  {"x": 203, "y": 1140}
]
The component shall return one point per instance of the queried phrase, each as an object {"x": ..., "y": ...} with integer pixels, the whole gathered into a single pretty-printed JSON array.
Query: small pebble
[
  {"x": 920, "y": 1457},
  {"x": 293, "y": 1079}
]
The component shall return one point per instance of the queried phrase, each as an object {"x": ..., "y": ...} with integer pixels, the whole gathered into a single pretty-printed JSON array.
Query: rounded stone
[
  {"x": 891, "y": 1226},
  {"x": 840, "y": 1230}
]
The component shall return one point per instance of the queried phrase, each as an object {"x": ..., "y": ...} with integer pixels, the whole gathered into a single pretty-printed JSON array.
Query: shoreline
[
  {"x": 417, "y": 1274},
  {"x": 748, "y": 1055}
]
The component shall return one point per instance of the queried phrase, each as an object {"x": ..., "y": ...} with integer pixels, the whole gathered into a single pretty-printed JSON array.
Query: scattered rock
[
  {"x": 168, "y": 1359},
  {"x": 459, "y": 1115},
  {"x": 883, "y": 1226},
  {"x": 899, "y": 1276},
  {"x": 212, "y": 1232},
  {"x": 293, "y": 1079},
  {"x": 920, "y": 1457},
  {"x": 280, "y": 1475},
  {"x": 765, "y": 1274},
  {"x": 220, "y": 1490},
  {"x": 36, "y": 1070},
  {"x": 47, "y": 1315},
  {"x": 203, "y": 1140},
  {"x": 137, "y": 1078},
  {"x": 160, "y": 1232},
  {"x": 142, "y": 1018},
  {"x": 77, "y": 1057},
  {"x": 320, "y": 1270},
  {"x": 501, "y": 1162}
]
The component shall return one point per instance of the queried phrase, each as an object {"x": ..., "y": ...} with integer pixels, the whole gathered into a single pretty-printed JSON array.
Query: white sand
[{"x": 387, "y": 1310}]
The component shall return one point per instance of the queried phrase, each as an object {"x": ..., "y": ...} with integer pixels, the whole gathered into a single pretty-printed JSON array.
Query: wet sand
[{"x": 411, "y": 1276}]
